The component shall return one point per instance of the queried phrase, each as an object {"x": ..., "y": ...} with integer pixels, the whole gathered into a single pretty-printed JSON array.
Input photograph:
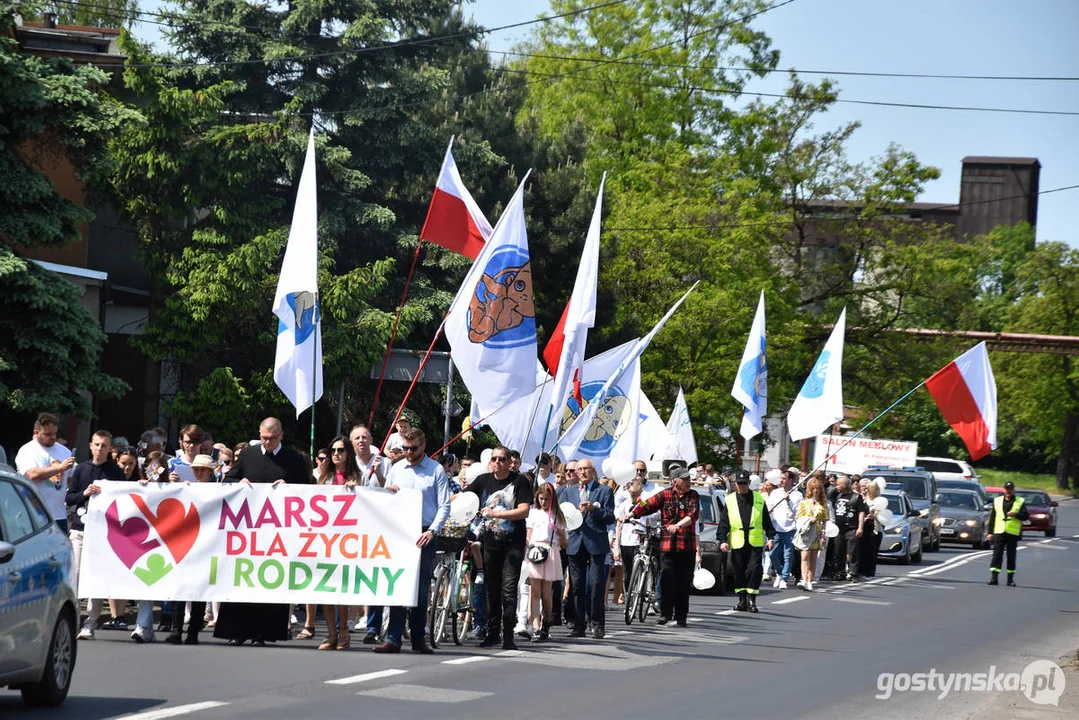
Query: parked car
[
  {"x": 947, "y": 468},
  {"x": 969, "y": 485},
  {"x": 711, "y": 558},
  {"x": 920, "y": 487},
  {"x": 1041, "y": 512},
  {"x": 904, "y": 537},
  {"x": 38, "y": 609},
  {"x": 964, "y": 517}
]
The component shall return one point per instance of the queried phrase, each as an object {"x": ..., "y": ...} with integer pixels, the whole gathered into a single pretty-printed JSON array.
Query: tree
[
  {"x": 51, "y": 112},
  {"x": 99, "y": 13},
  {"x": 1041, "y": 391}
]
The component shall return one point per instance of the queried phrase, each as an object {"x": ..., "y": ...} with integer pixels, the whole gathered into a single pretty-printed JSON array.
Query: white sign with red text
[{"x": 861, "y": 453}]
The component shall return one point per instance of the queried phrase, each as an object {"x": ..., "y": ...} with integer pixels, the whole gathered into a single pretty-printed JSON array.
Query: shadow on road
[{"x": 84, "y": 708}]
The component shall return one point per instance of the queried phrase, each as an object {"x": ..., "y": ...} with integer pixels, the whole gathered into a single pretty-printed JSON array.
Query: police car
[{"x": 38, "y": 609}]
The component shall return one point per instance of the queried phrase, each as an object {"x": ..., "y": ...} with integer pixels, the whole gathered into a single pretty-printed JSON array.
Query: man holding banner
[{"x": 419, "y": 472}]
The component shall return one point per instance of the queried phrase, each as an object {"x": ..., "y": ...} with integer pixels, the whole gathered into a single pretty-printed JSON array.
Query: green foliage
[
  {"x": 99, "y": 13},
  {"x": 219, "y": 404}
]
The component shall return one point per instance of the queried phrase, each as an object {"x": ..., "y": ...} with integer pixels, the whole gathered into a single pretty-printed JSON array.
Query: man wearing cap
[
  {"x": 1006, "y": 523},
  {"x": 747, "y": 524},
  {"x": 679, "y": 508}
]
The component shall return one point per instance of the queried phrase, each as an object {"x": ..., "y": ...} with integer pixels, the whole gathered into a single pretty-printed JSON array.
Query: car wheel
[
  {"x": 935, "y": 547},
  {"x": 917, "y": 557},
  {"x": 56, "y": 679},
  {"x": 905, "y": 560},
  {"x": 1051, "y": 532}
]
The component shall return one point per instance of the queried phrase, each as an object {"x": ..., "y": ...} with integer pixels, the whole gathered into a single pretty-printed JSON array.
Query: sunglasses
[
  {"x": 499, "y": 458},
  {"x": 410, "y": 448},
  {"x": 337, "y": 450},
  {"x": 642, "y": 470},
  {"x": 322, "y": 458}
]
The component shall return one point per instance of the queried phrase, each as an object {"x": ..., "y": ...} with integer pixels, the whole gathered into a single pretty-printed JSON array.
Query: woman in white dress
[{"x": 546, "y": 535}]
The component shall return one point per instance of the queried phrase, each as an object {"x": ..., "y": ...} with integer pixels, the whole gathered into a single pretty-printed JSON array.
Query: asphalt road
[{"x": 805, "y": 655}]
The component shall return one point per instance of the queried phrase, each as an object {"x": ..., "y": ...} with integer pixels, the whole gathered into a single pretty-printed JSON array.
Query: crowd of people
[{"x": 529, "y": 569}]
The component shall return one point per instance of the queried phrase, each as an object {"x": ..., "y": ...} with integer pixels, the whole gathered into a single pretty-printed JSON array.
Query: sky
[{"x": 953, "y": 37}]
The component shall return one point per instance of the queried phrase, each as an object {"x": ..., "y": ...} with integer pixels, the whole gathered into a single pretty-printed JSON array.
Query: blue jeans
[
  {"x": 145, "y": 619},
  {"x": 783, "y": 549},
  {"x": 417, "y": 615},
  {"x": 374, "y": 619},
  {"x": 479, "y": 606}
]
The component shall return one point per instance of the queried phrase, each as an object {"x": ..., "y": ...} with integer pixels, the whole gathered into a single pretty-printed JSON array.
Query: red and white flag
[
  {"x": 454, "y": 220},
  {"x": 966, "y": 394},
  {"x": 564, "y": 353}
]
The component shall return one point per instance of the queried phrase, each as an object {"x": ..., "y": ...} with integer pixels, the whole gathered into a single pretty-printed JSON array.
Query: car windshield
[
  {"x": 947, "y": 466},
  {"x": 895, "y": 504},
  {"x": 913, "y": 485},
  {"x": 1033, "y": 497},
  {"x": 956, "y": 485},
  {"x": 706, "y": 509},
  {"x": 961, "y": 501}
]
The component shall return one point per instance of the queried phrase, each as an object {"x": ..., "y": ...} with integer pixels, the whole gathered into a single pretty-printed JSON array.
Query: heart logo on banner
[
  {"x": 177, "y": 528},
  {"x": 129, "y": 539}
]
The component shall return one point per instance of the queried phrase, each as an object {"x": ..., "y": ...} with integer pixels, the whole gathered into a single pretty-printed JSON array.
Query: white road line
[
  {"x": 618, "y": 632},
  {"x": 365, "y": 677},
  {"x": 174, "y": 711},
  {"x": 976, "y": 556},
  {"x": 726, "y": 612},
  {"x": 1047, "y": 540},
  {"x": 509, "y": 653},
  {"x": 466, "y": 660},
  {"x": 958, "y": 559},
  {"x": 1075, "y": 536},
  {"x": 790, "y": 600},
  {"x": 861, "y": 601}
]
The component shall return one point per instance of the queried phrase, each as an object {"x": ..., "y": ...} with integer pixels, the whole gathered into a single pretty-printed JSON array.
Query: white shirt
[
  {"x": 629, "y": 535},
  {"x": 782, "y": 511},
  {"x": 34, "y": 455},
  {"x": 543, "y": 527},
  {"x": 371, "y": 479}
]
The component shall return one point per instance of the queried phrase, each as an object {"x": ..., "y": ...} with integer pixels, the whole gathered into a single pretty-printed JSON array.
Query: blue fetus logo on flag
[
  {"x": 305, "y": 316},
  {"x": 501, "y": 311}
]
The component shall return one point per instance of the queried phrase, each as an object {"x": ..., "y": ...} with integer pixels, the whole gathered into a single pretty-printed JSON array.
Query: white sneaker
[
  {"x": 87, "y": 633},
  {"x": 143, "y": 635},
  {"x": 293, "y": 619},
  {"x": 777, "y": 583},
  {"x": 782, "y": 584},
  {"x": 800, "y": 585},
  {"x": 766, "y": 577},
  {"x": 479, "y": 577},
  {"x": 809, "y": 585}
]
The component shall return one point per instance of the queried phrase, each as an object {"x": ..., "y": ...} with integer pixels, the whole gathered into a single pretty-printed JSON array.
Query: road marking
[
  {"x": 466, "y": 660},
  {"x": 726, "y": 612},
  {"x": 365, "y": 677},
  {"x": 957, "y": 560},
  {"x": 975, "y": 556},
  {"x": 790, "y": 600},
  {"x": 424, "y": 693},
  {"x": 174, "y": 711},
  {"x": 861, "y": 601},
  {"x": 618, "y": 632},
  {"x": 1047, "y": 540},
  {"x": 509, "y": 653}
]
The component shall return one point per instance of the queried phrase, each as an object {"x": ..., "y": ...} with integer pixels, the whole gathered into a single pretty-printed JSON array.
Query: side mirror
[
  {"x": 1054, "y": 504},
  {"x": 936, "y": 498},
  {"x": 7, "y": 551},
  {"x": 987, "y": 506}
]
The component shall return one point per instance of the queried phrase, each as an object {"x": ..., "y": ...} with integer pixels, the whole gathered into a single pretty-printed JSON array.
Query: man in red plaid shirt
[{"x": 679, "y": 507}]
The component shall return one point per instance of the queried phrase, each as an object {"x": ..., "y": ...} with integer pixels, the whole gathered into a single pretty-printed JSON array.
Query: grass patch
[{"x": 1031, "y": 481}]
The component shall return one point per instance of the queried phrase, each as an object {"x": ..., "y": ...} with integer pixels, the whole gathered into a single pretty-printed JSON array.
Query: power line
[{"x": 853, "y": 73}]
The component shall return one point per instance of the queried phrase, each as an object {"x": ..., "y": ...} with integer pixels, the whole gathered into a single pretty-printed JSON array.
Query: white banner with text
[
  {"x": 231, "y": 542},
  {"x": 861, "y": 453}
]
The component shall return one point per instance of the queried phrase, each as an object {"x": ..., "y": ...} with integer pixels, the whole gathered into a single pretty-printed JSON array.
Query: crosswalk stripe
[
  {"x": 466, "y": 660},
  {"x": 365, "y": 677},
  {"x": 861, "y": 601},
  {"x": 169, "y": 712},
  {"x": 799, "y": 598}
]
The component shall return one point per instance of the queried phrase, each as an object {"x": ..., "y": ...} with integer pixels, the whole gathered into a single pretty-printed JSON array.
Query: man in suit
[
  {"x": 588, "y": 546},
  {"x": 270, "y": 462}
]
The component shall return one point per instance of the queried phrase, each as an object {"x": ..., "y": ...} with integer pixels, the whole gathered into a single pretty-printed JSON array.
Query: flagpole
[
  {"x": 479, "y": 422},
  {"x": 532, "y": 420},
  {"x": 415, "y": 379},
  {"x": 393, "y": 334},
  {"x": 314, "y": 373}
]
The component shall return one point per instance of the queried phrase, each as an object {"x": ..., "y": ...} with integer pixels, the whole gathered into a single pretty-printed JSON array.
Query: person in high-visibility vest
[
  {"x": 1005, "y": 524},
  {"x": 747, "y": 530}
]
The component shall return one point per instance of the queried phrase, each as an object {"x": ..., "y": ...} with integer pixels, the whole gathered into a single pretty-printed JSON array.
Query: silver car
[
  {"x": 964, "y": 517},
  {"x": 38, "y": 609},
  {"x": 904, "y": 535}
]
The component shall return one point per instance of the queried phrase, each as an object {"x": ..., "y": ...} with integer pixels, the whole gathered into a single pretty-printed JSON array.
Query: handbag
[{"x": 537, "y": 554}]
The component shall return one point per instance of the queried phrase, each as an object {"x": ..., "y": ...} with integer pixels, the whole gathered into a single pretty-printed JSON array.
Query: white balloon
[
  {"x": 574, "y": 518},
  {"x": 703, "y": 579},
  {"x": 485, "y": 459},
  {"x": 620, "y": 471},
  {"x": 754, "y": 482},
  {"x": 464, "y": 507},
  {"x": 473, "y": 471},
  {"x": 831, "y": 529},
  {"x": 879, "y": 503},
  {"x": 607, "y": 467},
  {"x": 881, "y": 483},
  {"x": 885, "y": 516}
]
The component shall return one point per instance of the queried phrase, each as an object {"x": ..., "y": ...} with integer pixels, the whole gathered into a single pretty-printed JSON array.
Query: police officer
[
  {"x": 1006, "y": 522},
  {"x": 746, "y": 523}
]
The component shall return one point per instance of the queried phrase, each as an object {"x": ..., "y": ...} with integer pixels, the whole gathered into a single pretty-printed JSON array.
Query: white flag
[
  {"x": 613, "y": 429},
  {"x": 298, "y": 363},
  {"x": 564, "y": 353},
  {"x": 751, "y": 385},
  {"x": 491, "y": 326},
  {"x": 571, "y": 439},
  {"x": 654, "y": 441},
  {"x": 681, "y": 431},
  {"x": 819, "y": 404}
]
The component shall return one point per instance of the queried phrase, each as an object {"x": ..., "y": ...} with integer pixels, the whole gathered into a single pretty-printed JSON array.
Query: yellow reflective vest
[
  {"x": 1001, "y": 522},
  {"x": 756, "y": 522}
]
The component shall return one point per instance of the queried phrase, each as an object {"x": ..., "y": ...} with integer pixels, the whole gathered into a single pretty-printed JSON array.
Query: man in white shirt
[
  {"x": 373, "y": 468},
  {"x": 544, "y": 474},
  {"x": 396, "y": 441},
  {"x": 47, "y": 464},
  {"x": 782, "y": 505}
]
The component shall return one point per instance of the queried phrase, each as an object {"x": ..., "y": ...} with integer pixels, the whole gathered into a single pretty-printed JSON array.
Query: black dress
[{"x": 260, "y": 621}]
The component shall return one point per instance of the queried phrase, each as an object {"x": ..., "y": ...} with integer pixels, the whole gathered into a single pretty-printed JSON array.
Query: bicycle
[
  {"x": 645, "y": 574},
  {"x": 449, "y": 584}
]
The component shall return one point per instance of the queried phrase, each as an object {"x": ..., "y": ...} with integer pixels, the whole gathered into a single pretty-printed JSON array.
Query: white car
[
  {"x": 38, "y": 609},
  {"x": 947, "y": 468}
]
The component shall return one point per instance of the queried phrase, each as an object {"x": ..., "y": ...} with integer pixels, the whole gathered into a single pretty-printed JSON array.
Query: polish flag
[
  {"x": 454, "y": 220},
  {"x": 966, "y": 394}
]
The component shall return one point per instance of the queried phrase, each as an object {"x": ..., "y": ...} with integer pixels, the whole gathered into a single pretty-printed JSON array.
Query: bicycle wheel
[
  {"x": 436, "y": 611},
  {"x": 644, "y": 602},
  {"x": 462, "y": 612},
  {"x": 636, "y": 583}
]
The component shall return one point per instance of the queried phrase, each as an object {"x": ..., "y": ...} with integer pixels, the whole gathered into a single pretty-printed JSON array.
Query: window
[
  {"x": 38, "y": 514},
  {"x": 944, "y": 466},
  {"x": 17, "y": 524},
  {"x": 707, "y": 509}
]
